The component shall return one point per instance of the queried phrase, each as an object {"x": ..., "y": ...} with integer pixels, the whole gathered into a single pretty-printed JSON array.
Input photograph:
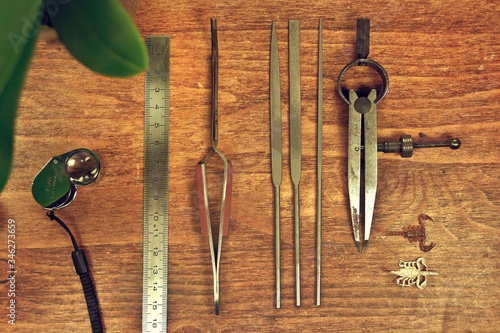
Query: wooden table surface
[{"x": 442, "y": 58}]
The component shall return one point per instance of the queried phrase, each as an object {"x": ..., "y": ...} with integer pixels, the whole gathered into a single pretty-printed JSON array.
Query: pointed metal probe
[
  {"x": 295, "y": 138},
  {"x": 319, "y": 193}
]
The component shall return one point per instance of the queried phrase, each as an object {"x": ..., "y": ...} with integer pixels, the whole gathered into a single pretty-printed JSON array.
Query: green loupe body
[{"x": 54, "y": 186}]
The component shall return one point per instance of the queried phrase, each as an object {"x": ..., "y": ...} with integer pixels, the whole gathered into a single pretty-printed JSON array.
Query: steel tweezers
[{"x": 201, "y": 177}]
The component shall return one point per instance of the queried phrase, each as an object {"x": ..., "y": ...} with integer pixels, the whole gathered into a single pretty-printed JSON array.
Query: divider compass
[{"x": 362, "y": 140}]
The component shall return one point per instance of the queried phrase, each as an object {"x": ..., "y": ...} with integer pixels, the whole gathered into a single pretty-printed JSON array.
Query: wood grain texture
[{"x": 442, "y": 61}]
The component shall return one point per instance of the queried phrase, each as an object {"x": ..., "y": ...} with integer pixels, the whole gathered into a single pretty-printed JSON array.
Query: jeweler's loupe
[{"x": 54, "y": 187}]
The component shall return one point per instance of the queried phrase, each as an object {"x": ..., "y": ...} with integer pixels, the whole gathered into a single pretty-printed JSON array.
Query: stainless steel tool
[
  {"x": 156, "y": 166},
  {"x": 295, "y": 137},
  {"x": 276, "y": 145},
  {"x": 201, "y": 177},
  {"x": 319, "y": 193},
  {"x": 362, "y": 140}
]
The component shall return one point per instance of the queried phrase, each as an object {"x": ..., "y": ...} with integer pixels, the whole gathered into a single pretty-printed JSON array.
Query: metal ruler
[{"x": 156, "y": 142}]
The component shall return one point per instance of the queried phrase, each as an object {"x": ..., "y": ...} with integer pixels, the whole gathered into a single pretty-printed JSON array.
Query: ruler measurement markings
[{"x": 156, "y": 143}]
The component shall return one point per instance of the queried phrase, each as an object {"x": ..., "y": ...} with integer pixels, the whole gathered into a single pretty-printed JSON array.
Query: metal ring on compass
[{"x": 372, "y": 64}]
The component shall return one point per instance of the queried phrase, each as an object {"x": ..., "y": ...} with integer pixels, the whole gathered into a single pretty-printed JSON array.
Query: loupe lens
[{"x": 82, "y": 167}]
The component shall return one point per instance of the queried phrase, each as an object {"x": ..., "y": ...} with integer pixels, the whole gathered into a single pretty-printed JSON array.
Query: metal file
[
  {"x": 295, "y": 137},
  {"x": 276, "y": 155}
]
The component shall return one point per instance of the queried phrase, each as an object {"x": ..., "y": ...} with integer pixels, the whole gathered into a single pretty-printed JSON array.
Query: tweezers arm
[
  {"x": 201, "y": 184},
  {"x": 228, "y": 194}
]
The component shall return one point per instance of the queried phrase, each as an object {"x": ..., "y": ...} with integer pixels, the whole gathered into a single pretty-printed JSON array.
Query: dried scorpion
[
  {"x": 416, "y": 233},
  {"x": 413, "y": 272}
]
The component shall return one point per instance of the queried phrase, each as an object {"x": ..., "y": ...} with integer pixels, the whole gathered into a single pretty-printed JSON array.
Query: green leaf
[
  {"x": 102, "y": 36},
  {"x": 19, "y": 22},
  {"x": 18, "y": 29}
]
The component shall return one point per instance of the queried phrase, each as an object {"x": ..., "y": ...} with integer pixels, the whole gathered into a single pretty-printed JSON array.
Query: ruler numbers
[{"x": 156, "y": 143}]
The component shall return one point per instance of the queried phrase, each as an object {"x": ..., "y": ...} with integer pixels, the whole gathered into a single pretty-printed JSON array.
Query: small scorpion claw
[
  {"x": 424, "y": 217},
  {"x": 421, "y": 218},
  {"x": 426, "y": 248}
]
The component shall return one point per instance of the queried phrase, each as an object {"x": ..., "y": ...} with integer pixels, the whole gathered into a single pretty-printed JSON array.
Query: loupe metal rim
[
  {"x": 372, "y": 64},
  {"x": 65, "y": 200},
  {"x": 68, "y": 157}
]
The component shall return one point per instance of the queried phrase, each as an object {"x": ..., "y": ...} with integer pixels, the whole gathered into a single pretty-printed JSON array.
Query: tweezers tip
[
  {"x": 365, "y": 243},
  {"x": 358, "y": 244},
  {"x": 217, "y": 309}
]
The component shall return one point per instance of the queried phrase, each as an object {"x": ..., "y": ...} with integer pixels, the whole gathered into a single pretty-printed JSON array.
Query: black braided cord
[
  {"x": 82, "y": 269},
  {"x": 92, "y": 305}
]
